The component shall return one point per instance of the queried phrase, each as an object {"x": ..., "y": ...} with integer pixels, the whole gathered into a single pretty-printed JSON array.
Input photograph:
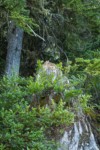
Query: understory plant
[
  {"x": 86, "y": 74},
  {"x": 25, "y": 128},
  {"x": 34, "y": 110}
]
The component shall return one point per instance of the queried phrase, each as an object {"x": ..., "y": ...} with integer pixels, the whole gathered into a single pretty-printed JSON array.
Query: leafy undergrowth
[
  {"x": 25, "y": 128},
  {"x": 35, "y": 110}
]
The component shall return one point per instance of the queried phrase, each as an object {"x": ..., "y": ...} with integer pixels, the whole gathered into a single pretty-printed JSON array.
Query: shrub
[
  {"x": 22, "y": 128},
  {"x": 38, "y": 127}
]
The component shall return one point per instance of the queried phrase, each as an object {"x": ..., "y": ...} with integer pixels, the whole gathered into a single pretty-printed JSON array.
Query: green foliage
[
  {"x": 91, "y": 70},
  {"x": 85, "y": 74},
  {"x": 84, "y": 102},
  {"x": 60, "y": 115},
  {"x": 18, "y": 12},
  {"x": 77, "y": 22},
  {"x": 28, "y": 126},
  {"x": 71, "y": 29},
  {"x": 22, "y": 128},
  {"x": 13, "y": 89},
  {"x": 87, "y": 70}
]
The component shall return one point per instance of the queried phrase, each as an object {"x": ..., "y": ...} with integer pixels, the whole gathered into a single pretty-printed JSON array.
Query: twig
[{"x": 35, "y": 34}]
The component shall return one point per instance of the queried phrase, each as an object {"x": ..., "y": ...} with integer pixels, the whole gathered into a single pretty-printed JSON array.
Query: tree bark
[{"x": 15, "y": 38}]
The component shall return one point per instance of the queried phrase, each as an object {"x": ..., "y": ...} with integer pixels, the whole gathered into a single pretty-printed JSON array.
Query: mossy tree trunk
[{"x": 15, "y": 38}]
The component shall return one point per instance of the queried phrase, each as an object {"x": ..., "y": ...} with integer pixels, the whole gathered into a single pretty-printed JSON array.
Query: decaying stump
[{"x": 49, "y": 94}]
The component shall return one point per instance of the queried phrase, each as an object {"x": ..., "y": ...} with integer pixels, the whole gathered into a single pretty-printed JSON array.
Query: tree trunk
[{"x": 15, "y": 38}]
